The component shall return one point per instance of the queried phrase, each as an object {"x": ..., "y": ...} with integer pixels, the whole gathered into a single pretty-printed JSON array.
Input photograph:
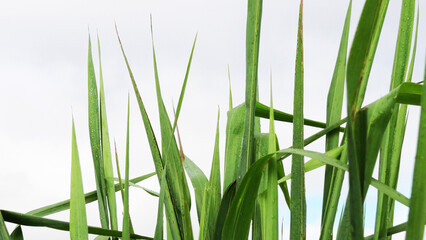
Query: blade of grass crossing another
[
  {"x": 416, "y": 215},
  {"x": 334, "y": 104},
  {"x": 175, "y": 175},
  {"x": 392, "y": 145},
  {"x": 126, "y": 218},
  {"x": 298, "y": 199},
  {"x": 254, "y": 16},
  {"x": 106, "y": 150},
  {"x": 155, "y": 152},
  {"x": 78, "y": 222},
  {"x": 95, "y": 140}
]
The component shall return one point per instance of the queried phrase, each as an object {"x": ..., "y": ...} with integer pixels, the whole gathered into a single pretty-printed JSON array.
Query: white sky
[{"x": 43, "y": 76}]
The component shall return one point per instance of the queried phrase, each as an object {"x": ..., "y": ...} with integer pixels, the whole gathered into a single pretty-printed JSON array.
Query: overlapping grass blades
[
  {"x": 78, "y": 222},
  {"x": 95, "y": 140},
  {"x": 392, "y": 145},
  {"x": 254, "y": 16},
  {"x": 333, "y": 178},
  {"x": 416, "y": 215},
  {"x": 106, "y": 149}
]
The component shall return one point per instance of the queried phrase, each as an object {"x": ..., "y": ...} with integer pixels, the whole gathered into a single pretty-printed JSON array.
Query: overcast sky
[{"x": 43, "y": 76}]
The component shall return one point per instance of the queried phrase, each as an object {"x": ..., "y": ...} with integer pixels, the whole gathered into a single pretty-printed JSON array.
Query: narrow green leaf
[
  {"x": 214, "y": 184},
  {"x": 205, "y": 216},
  {"x": 270, "y": 221},
  {"x": 95, "y": 140},
  {"x": 234, "y": 136},
  {"x": 155, "y": 152},
  {"x": 298, "y": 199},
  {"x": 230, "y": 91},
  {"x": 225, "y": 204},
  {"x": 199, "y": 182},
  {"x": 78, "y": 222},
  {"x": 126, "y": 218},
  {"x": 17, "y": 234},
  {"x": 4, "y": 234},
  {"x": 34, "y": 221},
  {"x": 106, "y": 150},
  {"x": 159, "y": 227},
  {"x": 416, "y": 215},
  {"x": 175, "y": 175},
  {"x": 334, "y": 104},
  {"x": 254, "y": 16}
]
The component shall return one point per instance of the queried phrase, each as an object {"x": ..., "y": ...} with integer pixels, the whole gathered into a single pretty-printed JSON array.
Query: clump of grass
[{"x": 253, "y": 160}]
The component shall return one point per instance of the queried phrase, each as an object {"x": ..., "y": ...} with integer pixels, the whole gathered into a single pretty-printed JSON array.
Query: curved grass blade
[
  {"x": 205, "y": 214},
  {"x": 78, "y": 222},
  {"x": 225, "y": 204},
  {"x": 17, "y": 234},
  {"x": 30, "y": 220},
  {"x": 106, "y": 150},
  {"x": 199, "y": 182},
  {"x": 254, "y": 16},
  {"x": 298, "y": 199},
  {"x": 334, "y": 105},
  {"x": 416, "y": 215},
  {"x": 155, "y": 152},
  {"x": 95, "y": 141},
  {"x": 126, "y": 218}
]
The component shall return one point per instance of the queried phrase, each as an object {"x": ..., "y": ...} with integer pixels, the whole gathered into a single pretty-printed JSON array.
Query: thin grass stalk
[
  {"x": 95, "y": 143},
  {"x": 399, "y": 136},
  {"x": 393, "y": 141},
  {"x": 126, "y": 218},
  {"x": 298, "y": 199},
  {"x": 254, "y": 16},
  {"x": 334, "y": 112},
  {"x": 416, "y": 215},
  {"x": 270, "y": 223},
  {"x": 106, "y": 150}
]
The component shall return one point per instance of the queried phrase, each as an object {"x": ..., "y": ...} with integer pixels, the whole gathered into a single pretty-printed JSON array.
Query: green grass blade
[
  {"x": 254, "y": 16},
  {"x": 392, "y": 145},
  {"x": 182, "y": 92},
  {"x": 237, "y": 222},
  {"x": 263, "y": 112},
  {"x": 30, "y": 220},
  {"x": 214, "y": 184},
  {"x": 225, "y": 204},
  {"x": 155, "y": 152},
  {"x": 126, "y": 218},
  {"x": 234, "y": 136},
  {"x": 175, "y": 175},
  {"x": 416, "y": 215},
  {"x": 205, "y": 216},
  {"x": 106, "y": 150},
  {"x": 270, "y": 222},
  {"x": 199, "y": 182},
  {"x": 334, "y": 104},
  {"x": 17, "y": 234},
  {"x": 359, "y": 65},
  {"x": 4, "y": 234},
  {"x": 159, "y": 227},
  {"x": 298, "y": 199},
  {"x": 95, "y": 141},
  {"x": 78, "y": 222}
]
